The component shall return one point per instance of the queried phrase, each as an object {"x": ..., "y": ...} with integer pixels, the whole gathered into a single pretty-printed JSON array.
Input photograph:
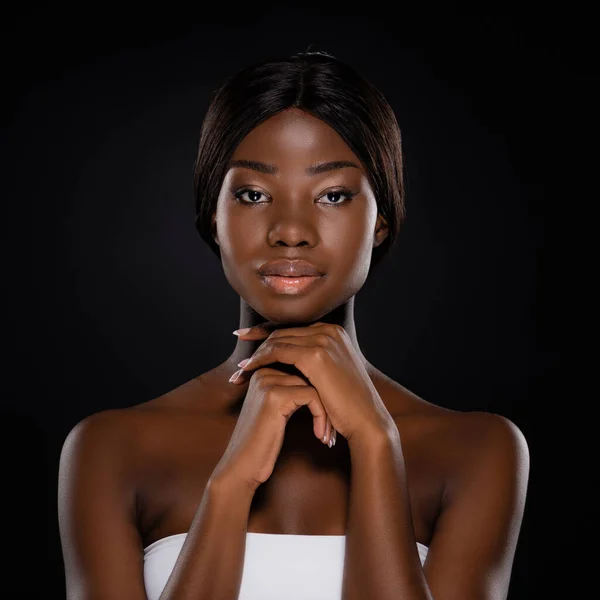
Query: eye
[
  {"x": 252, "y": 194},
  {"x": 336, "y": 194}
]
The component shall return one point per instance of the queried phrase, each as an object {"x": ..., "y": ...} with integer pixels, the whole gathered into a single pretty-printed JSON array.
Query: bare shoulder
[
  {"x": 486, "y": 432},
  {"x": 485, "y": 478},
  {"x": 98, "y": 443},
  {"x": 108, "y": 461},
  {"x": 113, "y": 427},
  {"x": 469, "y": 442},
  {"x": 495, "y": 442},
  {"x": 454, "y": 438},
  {"x": 477, "y": 429},
  {"x": 102, "y": 430},
  {"x": 160, "y": 442},
  {"x": 128, "y": 434}
]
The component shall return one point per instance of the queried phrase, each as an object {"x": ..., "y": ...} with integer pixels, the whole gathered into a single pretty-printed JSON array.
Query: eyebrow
[{"x": 269, "y": 169}]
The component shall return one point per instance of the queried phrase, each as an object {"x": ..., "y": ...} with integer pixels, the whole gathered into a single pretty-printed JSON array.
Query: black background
[{"x": 113, "y": 299}]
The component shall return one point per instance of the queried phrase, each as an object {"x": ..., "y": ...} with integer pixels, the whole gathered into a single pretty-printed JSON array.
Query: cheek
[
  {"x": 242, "y": 243},
  {"x": 355, "y": 249},
  {"x": 353, "y": 238},
  {"x": 354, "y": 256},
  {"x": 237, "y": 233}
]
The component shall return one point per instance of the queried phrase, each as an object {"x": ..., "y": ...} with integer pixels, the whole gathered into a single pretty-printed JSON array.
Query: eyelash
[{"x": 349, "y": 195}]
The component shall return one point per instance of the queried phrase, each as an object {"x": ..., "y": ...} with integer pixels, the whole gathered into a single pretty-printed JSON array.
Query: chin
[
  {"x": 285, "y": 321},
  {"x": 290, "y": 317}
]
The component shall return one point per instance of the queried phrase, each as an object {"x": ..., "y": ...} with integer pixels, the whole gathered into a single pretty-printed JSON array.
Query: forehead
[{"x": 294, "y": 138}]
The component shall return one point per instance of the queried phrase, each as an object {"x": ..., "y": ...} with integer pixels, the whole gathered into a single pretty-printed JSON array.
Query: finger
[
  {"x": 262, "y": 330},
  {"x": 325, "y": 438},
  {"x": 278, "y": 377},
  {"x": 268, "y": 328},
  {"x": 279, "y": 351},
  {"x": 330, "y": 431},
  {"x": 297, "y": 396}
]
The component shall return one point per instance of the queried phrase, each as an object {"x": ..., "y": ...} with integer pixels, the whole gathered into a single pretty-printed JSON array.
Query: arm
[
  {"x": 475, "y": 538},
  {"x": 102, "y": 548},
  {"x": 211, "y": 560},
  {"x": 382, "y": 561},
  {"x": 476, "y": 534}
]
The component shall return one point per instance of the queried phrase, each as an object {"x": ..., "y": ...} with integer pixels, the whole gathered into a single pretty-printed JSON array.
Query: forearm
[
  {"x": 211, "y": 560},
  {"x": 381, "y": 560}
]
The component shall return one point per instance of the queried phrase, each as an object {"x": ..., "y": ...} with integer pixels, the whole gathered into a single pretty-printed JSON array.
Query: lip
[
  {"x": 283, "y": 267},
  {"x": 290, "y": 285}
]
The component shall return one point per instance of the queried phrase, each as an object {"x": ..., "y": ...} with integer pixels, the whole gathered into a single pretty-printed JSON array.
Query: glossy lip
[
  {"x": 290, "y": 268},
  {"x": 290, "y": 285}
]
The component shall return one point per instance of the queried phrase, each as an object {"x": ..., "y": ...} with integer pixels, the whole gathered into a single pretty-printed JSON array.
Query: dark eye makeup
[{"x": 238, "y": 194}]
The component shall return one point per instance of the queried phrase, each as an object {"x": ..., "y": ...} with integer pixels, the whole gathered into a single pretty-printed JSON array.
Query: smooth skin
[{"x": 131, "y": 476}]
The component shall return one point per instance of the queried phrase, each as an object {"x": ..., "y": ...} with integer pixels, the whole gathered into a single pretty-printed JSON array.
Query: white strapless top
[{"x": 276, "y": 566}]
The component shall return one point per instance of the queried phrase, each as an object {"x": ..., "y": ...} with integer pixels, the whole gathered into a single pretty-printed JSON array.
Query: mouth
[{"x": 290, "y": 285}]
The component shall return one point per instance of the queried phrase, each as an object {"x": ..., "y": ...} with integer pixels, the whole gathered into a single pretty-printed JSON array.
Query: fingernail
[
  {"x": 235, "y": 376},
  {"x": 324, "y": 438},
  {"x": 242, "y": 331},
  {"x": 334, "y": 438},
  {"x": 330, "y": 442},
  {"x": 243, "y": 363}
]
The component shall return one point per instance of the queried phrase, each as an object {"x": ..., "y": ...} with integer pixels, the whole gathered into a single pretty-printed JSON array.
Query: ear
[
  {"x": 381, "y": 231},
  {"x": 213, "y": 228}
]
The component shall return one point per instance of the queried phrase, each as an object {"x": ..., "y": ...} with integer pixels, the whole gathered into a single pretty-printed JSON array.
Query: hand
[
  {"x": 324, "y": 354},
  {"x": 272, "y": 398}
]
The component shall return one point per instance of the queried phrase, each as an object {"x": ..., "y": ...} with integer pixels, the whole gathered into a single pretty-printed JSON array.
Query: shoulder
[
  {"x": 464, "y": 433},
  {"x": 95, "y": 470},
  {"x": 101, "y": 428},
  {"x": 484, "y": 442},
  {"x": 117, "y": 431},
  {"x": 481, "y": 427},
  {"x": 102, "y": 438},
  {"x": 491, "y": 432},
  {"x": 485, "y": 460},
  {"x": 146, "y": 436},
  {"x": 459, "y": 441},
  {"x": 480, "y": 433},
  {"x": 470, "y": 430},
  {"x": 125, "y": 426}
]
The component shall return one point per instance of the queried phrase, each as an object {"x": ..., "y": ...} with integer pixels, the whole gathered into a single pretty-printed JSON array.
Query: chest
[{"x": 308, "y": 492}]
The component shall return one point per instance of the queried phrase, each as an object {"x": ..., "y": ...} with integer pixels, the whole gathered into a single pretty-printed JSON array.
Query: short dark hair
[{"x": 323, "y": 86}]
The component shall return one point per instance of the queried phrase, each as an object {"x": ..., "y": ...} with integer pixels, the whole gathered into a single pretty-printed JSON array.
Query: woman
[{"x": 216, "y": 489}]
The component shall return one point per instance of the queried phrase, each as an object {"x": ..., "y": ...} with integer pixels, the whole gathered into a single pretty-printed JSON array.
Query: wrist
[
  {"x": 227, "y": 485},
  {"x": 376, "y": 438},
  {"x": 373, "y": 441}
]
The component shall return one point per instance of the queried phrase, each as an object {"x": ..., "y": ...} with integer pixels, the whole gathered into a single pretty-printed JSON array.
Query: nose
[{"x": 291, "y": 225}]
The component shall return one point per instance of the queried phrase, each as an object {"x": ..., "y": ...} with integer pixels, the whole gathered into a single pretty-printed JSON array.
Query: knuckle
[
  {"x": 260, "y": 379},
  {"x": 324, "y": 339},
  {"x": 272, "y": 395},
  {"x": 319, "y": 353},
  {"x": 269, "y": 379},
  {"x": 338, "y": 330}
]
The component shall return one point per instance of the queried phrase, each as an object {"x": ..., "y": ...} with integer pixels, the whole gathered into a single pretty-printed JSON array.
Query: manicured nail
[
  {"x": 235, "y": 376},
  {"x": 330, "y": 442},
  {"x": 242, "y": 331},
  {"x": 334, "y": 437},
  {"x": 324, "y": 438},
  {"x": 244, "y": 362}
]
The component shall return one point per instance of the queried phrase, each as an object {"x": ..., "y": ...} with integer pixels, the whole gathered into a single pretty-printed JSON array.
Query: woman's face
[{"x": 283, "y": 211}]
